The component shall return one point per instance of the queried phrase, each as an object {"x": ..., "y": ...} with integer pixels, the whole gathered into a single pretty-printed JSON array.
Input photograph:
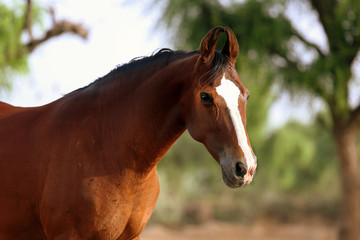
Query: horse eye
[
  {"x": 248, "y": 96},
  {"x": 206, "y": 98}
]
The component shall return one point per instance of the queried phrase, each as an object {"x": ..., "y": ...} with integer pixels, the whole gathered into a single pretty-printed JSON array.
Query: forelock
[{"x": 219, "y": 64}]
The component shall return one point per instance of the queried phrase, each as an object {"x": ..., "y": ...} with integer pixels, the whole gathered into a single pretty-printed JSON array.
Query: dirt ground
[{"x": 260, "y": 230}]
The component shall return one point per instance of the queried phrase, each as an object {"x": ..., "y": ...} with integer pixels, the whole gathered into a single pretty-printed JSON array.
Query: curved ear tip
[
  {"x": 219, "y": 29},
  {"x": 222, "y": 28},
  {"x": 208, "y": 44}
]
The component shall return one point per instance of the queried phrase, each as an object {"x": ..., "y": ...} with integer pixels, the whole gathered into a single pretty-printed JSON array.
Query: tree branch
[
  {"x": 307, "y": 43},
  {"x": 326, "y": 16},
  {"x": 291, "y": 66},
  {"x": 57, "y": 29},
  {"x": 28, "y": 18}
]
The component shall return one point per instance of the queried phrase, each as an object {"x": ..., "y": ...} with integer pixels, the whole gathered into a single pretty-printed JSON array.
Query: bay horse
[{"x": 84, "y": 166}]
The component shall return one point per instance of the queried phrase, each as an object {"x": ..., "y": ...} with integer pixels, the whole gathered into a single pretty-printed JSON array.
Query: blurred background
[{"x": 299, "y": 59}]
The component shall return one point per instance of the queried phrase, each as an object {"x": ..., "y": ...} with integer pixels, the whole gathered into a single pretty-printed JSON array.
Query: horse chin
[{"x": 230, "y": 182}]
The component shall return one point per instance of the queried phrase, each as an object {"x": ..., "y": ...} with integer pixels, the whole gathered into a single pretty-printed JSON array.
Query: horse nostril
[{"x": 240, "y": 170}]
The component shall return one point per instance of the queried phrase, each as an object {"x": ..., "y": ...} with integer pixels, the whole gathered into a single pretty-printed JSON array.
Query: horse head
[{"x": 217, "y": 115}]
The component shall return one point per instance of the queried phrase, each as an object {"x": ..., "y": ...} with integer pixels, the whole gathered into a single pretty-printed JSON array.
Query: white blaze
[{"x": 231, "y": 93}]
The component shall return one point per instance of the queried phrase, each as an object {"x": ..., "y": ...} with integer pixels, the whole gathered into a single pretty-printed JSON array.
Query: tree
[
  {"x": 268, "y": 39},
  {"x": 16, "y": 24}
]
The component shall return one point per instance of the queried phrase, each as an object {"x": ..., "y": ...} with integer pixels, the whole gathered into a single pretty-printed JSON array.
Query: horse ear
[
  {"x": 208, "y": 44},
  {"x": 231, "y": 47}
]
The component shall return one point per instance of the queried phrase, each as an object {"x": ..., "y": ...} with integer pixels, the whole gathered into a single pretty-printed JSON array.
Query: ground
[{"x": 261, "y": 230}]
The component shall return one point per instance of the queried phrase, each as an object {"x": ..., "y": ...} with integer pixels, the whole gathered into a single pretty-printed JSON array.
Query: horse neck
[{"x": 145, "y": 119}]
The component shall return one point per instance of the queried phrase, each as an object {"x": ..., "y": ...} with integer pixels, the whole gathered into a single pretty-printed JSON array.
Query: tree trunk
[{"x": 346, "y": 138}]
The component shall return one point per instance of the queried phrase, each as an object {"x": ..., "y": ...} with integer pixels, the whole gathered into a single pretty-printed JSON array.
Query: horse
[{"x": 84, "y": 166}]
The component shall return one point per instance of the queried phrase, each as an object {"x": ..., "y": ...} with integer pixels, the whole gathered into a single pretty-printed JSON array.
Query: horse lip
[{"x": 230, "y": 182}]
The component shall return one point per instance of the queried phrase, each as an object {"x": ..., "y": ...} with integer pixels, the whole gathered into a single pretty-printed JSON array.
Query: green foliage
[
  {"x": 301, "y": 157},
  {"x": 13, "y": 51},
  {"x": 184, "y": 17}
]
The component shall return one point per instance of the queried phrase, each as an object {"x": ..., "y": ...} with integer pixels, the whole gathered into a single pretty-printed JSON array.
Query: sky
[{"x": 119, "y": 32}]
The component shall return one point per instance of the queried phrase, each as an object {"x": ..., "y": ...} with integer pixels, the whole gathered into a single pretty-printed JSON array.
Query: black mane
[{"x": 165, "y": 55}]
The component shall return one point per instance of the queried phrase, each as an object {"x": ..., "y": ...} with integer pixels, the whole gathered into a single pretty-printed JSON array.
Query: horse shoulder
[{"x": 107, "y": 207}]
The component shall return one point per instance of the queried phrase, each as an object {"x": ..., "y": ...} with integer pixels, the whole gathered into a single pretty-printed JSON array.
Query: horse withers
[{"x": 84, "y": 166}]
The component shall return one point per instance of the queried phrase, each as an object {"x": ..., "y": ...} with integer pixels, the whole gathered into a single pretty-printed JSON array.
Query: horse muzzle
[{"x": 236, "y": 173}]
